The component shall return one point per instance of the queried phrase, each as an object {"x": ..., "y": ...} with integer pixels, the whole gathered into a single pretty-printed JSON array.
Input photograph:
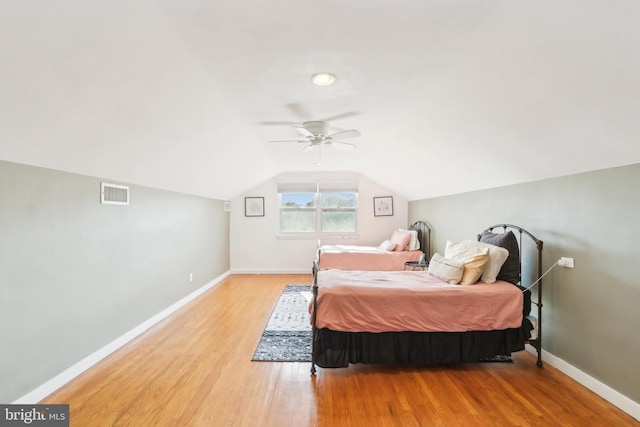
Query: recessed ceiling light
[{"x": 323, "y": 79}]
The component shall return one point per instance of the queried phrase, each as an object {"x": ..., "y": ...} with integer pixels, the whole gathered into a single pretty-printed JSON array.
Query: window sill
[{"x": 318, "y": 236}]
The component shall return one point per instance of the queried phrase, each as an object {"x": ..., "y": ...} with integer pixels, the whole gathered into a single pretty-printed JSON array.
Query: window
[
  {"x": 338, "y": 212},
  {"x": 316, "y": 208},
  {"x": 298, "y": 212}
]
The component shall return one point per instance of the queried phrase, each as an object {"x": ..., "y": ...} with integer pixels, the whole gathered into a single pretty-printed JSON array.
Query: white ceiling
[{"x": 450, "y": 96}]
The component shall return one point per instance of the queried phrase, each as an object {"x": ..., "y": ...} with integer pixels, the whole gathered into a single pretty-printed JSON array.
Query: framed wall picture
[
  {"x": 254, "y": 206},
  {"x": 383, "y": 206}
]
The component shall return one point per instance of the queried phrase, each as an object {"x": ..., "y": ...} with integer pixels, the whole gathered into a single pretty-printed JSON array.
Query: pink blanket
[
  {"x": 394, "y": 301},
  {"x": 345, "y": 257}
]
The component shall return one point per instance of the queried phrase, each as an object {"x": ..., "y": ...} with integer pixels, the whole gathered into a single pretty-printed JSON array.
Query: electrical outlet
[
  {"x": 566, "y": 262},
  {"x": 191, "y": 277}
]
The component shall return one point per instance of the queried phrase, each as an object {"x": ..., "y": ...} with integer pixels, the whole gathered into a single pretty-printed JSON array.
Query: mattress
[
  {"x": 371, "y": 258},
  {"x": 396, "y": 301}
]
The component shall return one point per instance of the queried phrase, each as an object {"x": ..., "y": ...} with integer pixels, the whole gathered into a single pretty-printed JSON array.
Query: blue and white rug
[{"x": 287, "y": 336}]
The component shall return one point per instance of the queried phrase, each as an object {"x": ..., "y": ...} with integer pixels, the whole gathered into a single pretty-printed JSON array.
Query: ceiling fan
[{"x": 316, "y": 134}]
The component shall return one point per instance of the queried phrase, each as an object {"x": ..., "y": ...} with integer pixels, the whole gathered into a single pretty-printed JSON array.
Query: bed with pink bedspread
[
  {"x": 351, "y": 257},
  {"x": 396, "y": 301},
  {"x": 413, "y": 317},
  {"x": 377, "y": 258}
]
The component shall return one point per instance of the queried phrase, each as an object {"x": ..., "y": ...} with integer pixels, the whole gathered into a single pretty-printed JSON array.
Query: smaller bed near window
[{"x": 404, "y": 245}]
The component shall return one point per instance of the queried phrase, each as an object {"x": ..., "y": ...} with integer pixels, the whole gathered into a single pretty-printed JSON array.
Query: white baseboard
[
  {"x": 64, "y": 377},
  {"x": 607, "y": 393}
]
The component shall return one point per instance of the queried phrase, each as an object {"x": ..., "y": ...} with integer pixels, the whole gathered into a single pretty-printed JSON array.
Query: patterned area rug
[{"x": 287, "y": 336}]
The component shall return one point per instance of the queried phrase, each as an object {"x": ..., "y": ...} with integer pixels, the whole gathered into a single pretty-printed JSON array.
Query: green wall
[
  {"x": 76, "y": 274},
  {"x": 590, "y": 315}
]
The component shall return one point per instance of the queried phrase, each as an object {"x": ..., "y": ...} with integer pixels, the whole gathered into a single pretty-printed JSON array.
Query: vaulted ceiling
[{"x": 450, "y": 96}]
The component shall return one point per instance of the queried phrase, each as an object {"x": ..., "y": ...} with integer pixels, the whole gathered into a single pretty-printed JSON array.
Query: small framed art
[
  {"x": 254, "y": 206},
  {"x": 383, "y": 206}
]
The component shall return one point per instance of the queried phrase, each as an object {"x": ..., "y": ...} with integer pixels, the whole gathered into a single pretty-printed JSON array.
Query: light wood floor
[{"x": 195, "y": 369}]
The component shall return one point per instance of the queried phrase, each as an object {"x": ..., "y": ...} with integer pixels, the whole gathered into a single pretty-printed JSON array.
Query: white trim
[
  {"x": 316, "y": 236},
  {"x": 64, "y": 377},
  {"x": 607, "y": 393}
]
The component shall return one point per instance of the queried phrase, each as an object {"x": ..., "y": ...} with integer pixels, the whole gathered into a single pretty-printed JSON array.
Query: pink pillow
[{"x": 401, "y": 239}]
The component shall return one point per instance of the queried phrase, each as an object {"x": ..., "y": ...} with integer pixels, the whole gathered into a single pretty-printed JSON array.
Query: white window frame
[
  {"x": 285, "y": 209},
  {"x": 318, "y": 189},
  {"x": 323, "y": 210}
]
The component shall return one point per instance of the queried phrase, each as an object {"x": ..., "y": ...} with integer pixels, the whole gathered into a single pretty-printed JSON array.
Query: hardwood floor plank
[{"x": 194, "y": 369}]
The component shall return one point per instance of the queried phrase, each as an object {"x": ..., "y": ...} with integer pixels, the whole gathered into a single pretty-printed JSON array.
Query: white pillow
[
  {"x": 414, "y": 243},
  {"x": 387, "y": 245},
  {"x": 497, "y": 257},
  {"x": 446, "y": 269},
  {"x": 473, "y": 257},
  {"x": 462, "y": 251}
]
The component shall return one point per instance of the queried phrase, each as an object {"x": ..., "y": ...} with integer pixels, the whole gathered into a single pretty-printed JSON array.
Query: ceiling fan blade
[
  {"x": 308, "y": 148},
  {"x": 345, "y": 134},
  {"x": 289, "y": 140},
  {"x": 341, "y": 116},
  {"x": 343, "y": 145},
  {"x": 299, "y": 110},
  {"x": 303, "y": 131},
  {"x": 276, "y": 123}
]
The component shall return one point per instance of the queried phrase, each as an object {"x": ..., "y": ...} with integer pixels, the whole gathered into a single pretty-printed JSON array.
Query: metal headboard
[
  {"x": 519, "y": 231},
  {"x": 424, "y": 232}
]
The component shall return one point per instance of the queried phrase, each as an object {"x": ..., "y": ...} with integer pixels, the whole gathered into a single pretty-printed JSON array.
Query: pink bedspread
[
  {"x": 394, "y": 301},
  {"x": 345, "y": 257}
]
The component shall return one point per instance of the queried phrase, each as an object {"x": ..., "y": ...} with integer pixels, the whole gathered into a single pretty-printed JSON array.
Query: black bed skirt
[{"x": 337, "y": 349}]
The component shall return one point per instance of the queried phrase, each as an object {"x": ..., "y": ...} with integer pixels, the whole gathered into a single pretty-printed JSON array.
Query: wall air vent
[{"x": 112, "y": 194}]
